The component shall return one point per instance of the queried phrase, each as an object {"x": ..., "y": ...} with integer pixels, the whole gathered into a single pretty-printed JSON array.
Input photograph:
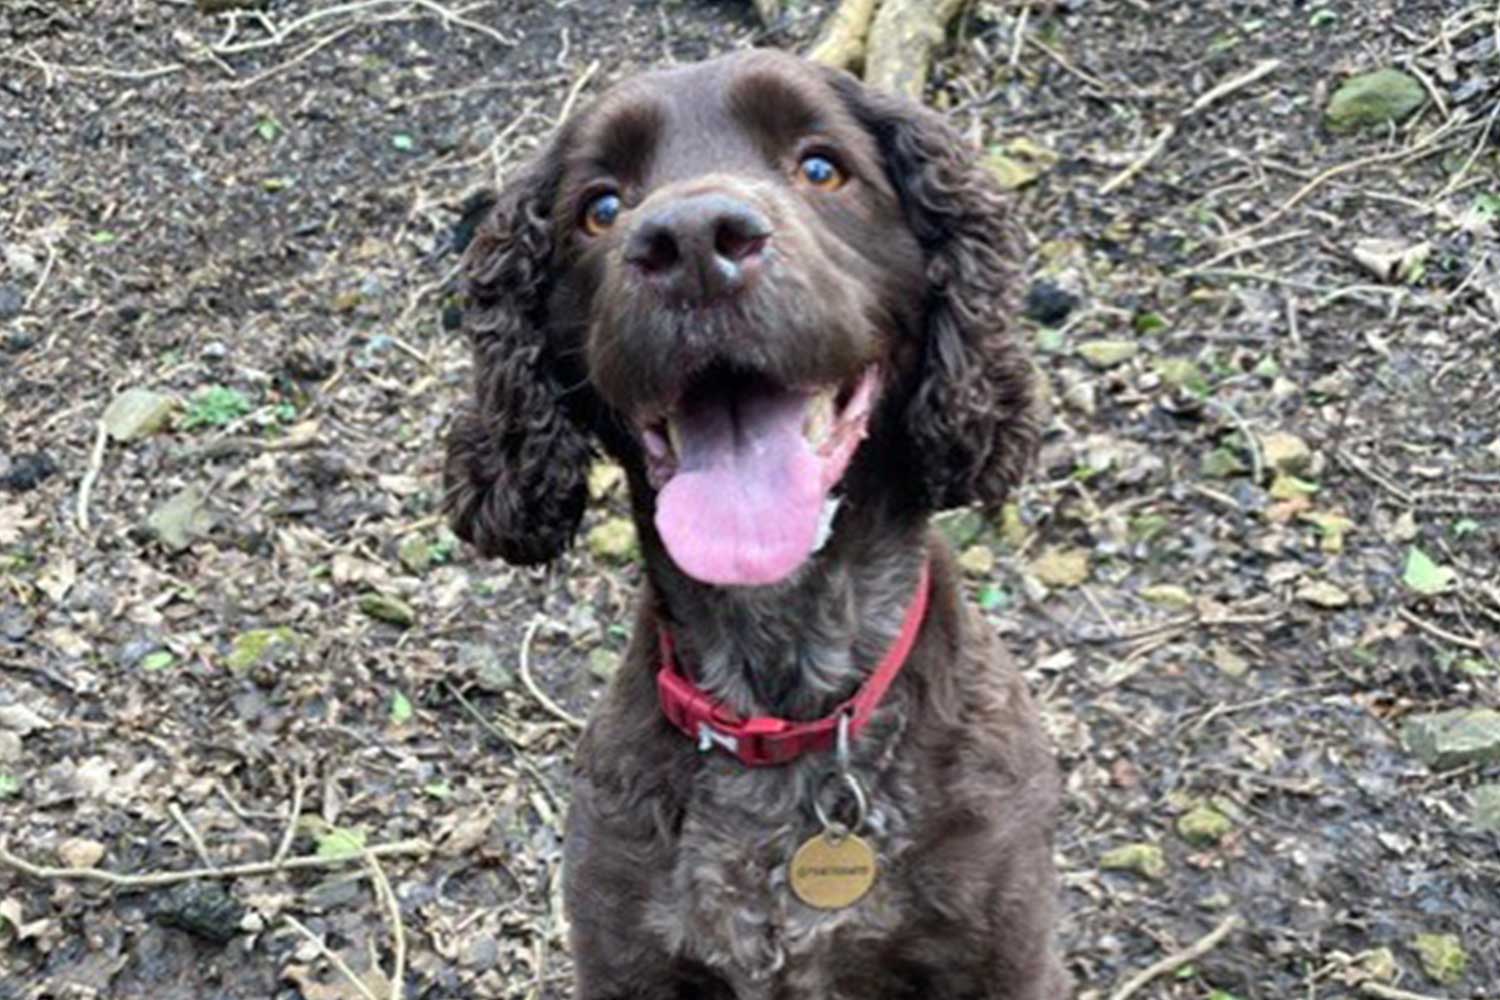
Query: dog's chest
[{"x": 728, "y": 901}]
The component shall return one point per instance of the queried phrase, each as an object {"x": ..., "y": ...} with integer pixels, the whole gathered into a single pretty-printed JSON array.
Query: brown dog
[{"x": 782, "y": 302}]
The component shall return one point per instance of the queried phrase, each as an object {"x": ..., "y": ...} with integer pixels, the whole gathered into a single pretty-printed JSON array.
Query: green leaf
[
  {"x": 10, "y": 785},
  {"x": 400, "y": 709},
  {"x": 1425, "y": 576},
  {"x": 159, "y": 660},
  {"x": 215, "y": 407},
  {"x": 1322, "y": 16},
  {"x": 437, "y": 789},
  {"x": 268, "y": 129},
  {"x": 403, "y": 142},
  {"x": 992, "y": 598},
  {"x": 1148, "y": 322},
  {"x": 1465, "y": 527},
  {"x": 102, "y": 237},
  {"x": 338, "y": 842}
]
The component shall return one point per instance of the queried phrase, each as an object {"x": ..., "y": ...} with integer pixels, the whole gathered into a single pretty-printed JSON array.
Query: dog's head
[{"x": 760, "y": 286}]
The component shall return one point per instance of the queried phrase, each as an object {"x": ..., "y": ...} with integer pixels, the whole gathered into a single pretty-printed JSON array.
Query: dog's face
[
  {"x": 739, "y": 272},
  {"x": 749, "y": 277}
]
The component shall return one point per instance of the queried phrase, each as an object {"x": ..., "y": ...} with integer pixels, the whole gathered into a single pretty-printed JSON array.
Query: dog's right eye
[{"x": 602, "y": 212}]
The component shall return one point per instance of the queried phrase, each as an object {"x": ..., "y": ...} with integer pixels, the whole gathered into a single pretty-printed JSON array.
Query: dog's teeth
[
  {"x": 674, "y": 435},
  {"x": 819, "y": 423}
]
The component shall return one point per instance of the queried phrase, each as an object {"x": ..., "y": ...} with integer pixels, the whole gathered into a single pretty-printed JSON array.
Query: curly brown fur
[
  {"x": 888, "y": 293},
  {"x": 517, "y": 459}
]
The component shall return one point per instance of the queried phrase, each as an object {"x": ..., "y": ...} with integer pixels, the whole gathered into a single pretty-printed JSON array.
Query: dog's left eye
[
  {"x": 821, "y": 172},
  {"x": 601, "y": 213}
]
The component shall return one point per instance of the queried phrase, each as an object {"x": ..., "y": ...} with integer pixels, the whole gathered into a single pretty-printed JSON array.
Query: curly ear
[
  {"x": 517, "y": 465},
  {"x": 974, "y": 419}
]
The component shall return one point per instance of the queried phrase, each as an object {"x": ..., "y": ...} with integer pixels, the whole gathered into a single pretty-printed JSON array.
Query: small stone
[
  {"x": 385, "y": 608},
  {"x": 1147, "y": 860},
  {"x": 1167, "y": 595},
  {"x": 1058, "y": 567},
  {"x": 1445, "y": 740},
  {"x": 137, "y": 412},
  {"x": 204, "y": 909},
  {"x": 1285, "y": 452},
  {"x": 1048, "y": 303},
  {"x": 1177, "y": 372},
  {"x": 613, "y": 540},
  {"x": 79, "y": 852},
  {"x": 10, "y": 747},
  {"x": 414, "y": 553},
  {"x": 1323, "y": 594},
  {"x": 183, "y": 518},
  {"x": 1486, "y": 805},
  {"x": 1204, "y": 826},
  {"x": 1229, "y": 662},
  {"x": 1443, "y": 957},
  {"x": 1380, "y": 963},
  {"x": 260, "y": 646},
  {"x": 1107, "y": 353},
  {"x": 1378, "y": 98},
  {"x": 1081, "y": 397},
  {"x": 977, "y": 560},
  {"x": 605, "y": 478},
  {"x": 27, "y": 471},
  {"x": 481, "y": 662}
]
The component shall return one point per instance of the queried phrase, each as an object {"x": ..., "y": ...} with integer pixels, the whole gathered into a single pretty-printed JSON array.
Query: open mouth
[{"x": 745, "y": 470}]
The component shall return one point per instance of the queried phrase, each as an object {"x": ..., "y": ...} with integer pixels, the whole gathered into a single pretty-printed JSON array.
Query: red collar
[{"x": 760, "y": 741}]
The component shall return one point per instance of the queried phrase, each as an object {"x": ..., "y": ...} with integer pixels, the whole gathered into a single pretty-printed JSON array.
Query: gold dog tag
[{"x": 833, "y": 870}]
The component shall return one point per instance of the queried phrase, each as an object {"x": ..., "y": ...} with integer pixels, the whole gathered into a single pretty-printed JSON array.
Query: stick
[
  {"x": 387, "y": 896},
  {"x": 332, "y": 956},
  {"x": 86, "y": 485},
  {"x": 1202, "y": 946},
  {"x": 1261, "y": 69},
  {"x": 842, "y": 41},
  {"x": 152, "y": 879},
  {"x": 1370, "y": 989},
  {"x": 536, "y": 692}
]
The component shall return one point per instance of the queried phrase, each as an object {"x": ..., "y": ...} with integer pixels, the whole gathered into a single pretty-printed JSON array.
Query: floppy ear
[
  {"x": 516, "y": 472},
  {"x": 974, "y": 418}
]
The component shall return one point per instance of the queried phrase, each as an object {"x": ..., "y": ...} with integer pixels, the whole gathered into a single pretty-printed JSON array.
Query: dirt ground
[{"x": 250, "y": 213}]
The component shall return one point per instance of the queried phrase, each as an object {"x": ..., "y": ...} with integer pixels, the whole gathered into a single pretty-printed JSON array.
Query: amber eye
[
  {"x": 601, "y": 213},
  {"x": 821, "y": 172}
]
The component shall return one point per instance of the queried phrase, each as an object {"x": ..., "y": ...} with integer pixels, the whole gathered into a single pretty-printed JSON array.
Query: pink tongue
[{"x": 744, "y": 505}]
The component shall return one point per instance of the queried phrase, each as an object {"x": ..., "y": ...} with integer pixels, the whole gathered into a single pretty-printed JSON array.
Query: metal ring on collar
[{"x": 856, "y": 791}]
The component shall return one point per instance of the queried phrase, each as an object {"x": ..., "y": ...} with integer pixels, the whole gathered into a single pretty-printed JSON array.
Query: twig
[
  {"x": 1335, "y": 171},
  {"x": 387, "y": 896},
  {"x": 575, "y": 90},
  {"x": 1261, "y": 69},
  {"x": 521, "y": 758},
  {"x": 299, "y": 787},
  {"x": 1200, "y": 947},
  {"x": 536, "y": 692},
  {"x": 192, "y": 835},
  {"x": 332, "y": 956},
  {"x": 258, "y": 78},
  {"x": 286, "y": 31},
  {"x": 151, "y": 879},
  {"x": 1440, "y": 632},
  {"x": 86, "y": 485},
  {"x": 1484, "y": 138},
  {"x": 36, "y": 290},
  {"x": 1372, "y": 989}
]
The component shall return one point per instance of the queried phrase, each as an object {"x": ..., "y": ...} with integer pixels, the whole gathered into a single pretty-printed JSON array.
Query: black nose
[{"x": 701, "y": 247}]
